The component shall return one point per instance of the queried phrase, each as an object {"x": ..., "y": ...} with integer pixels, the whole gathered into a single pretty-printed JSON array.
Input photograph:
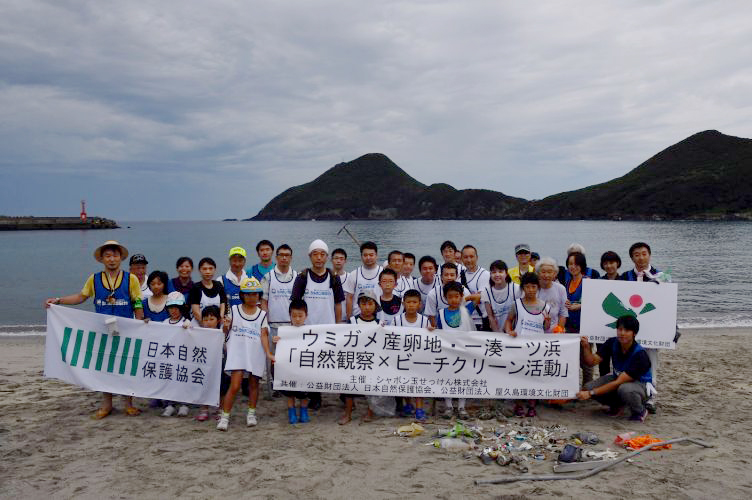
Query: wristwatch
[{"x": 592, "y": 392}]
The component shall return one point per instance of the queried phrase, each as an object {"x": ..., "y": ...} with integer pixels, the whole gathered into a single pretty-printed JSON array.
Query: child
[
  {"x": 298, "y": 314},
  {"x": 154, "y": 305},
  {"x": 368, "y": 306},
  {"x": 207, "y": 291},
  {"x": 436, "y": 299},
  {"x": 391, "y": 303},
  {"x": 211, "y": 318},
  {"x": 411, "y": 318},
  {"x": 499, "y": 295},
  {"x": 175, "y": 306},
  {"x": 454, "y": 317},
  {"x": 247, "y": 350},
  {"x": 528, "y": 316}
]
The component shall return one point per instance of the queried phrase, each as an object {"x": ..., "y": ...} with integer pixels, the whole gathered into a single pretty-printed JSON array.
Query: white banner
[
  {"x": 149, "y": 360},
  {"x": 413, "y": 362},
  {"x": 654, "y": 306}
]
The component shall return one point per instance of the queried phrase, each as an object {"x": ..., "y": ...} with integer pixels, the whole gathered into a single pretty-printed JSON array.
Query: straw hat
[{"x": 110, "y": 243}]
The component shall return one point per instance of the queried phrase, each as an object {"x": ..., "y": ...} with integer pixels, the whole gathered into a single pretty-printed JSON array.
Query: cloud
[{"x": 243, "y": 100}]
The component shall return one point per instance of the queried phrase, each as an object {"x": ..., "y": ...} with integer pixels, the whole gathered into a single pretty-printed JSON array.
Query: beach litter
[
  {"x": 412, "y": 430},
  {"x": 638, "y": 442}
]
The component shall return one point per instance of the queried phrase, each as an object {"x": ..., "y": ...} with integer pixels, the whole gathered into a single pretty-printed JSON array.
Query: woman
[
  {"x": 576, "y": 264},
  {"x": 552, "y": 293},
  {"x": 610, "y": 263},
  {"x": 183, "y": 283}
]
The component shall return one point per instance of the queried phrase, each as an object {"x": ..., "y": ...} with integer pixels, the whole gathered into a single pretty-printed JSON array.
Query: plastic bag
[{"x": 382, "y": 406}]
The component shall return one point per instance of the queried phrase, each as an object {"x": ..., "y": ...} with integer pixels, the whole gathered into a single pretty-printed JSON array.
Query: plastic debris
[
  {"x": 587, "y": 437},
  {"x": 452, "y": 444},
  {"x": 412, "y": 430},
  {"x": 624, "y": 437},
  {"x": 638, "y": 442}
]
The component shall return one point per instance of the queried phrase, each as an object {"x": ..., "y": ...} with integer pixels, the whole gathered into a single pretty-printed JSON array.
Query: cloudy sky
[{"x": 201, "y": 110}]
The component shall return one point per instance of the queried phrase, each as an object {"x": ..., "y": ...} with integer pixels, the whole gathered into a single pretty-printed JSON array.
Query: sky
[{"x": 207, "y": 110}]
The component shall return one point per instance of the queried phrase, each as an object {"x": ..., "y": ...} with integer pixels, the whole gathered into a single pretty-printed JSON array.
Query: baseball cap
[
  {"x": 138, "y": 258},
  {"x": 368, "y": 294},
  {"x": 522, "y": 247},
  {"x": 237, "y": 251}
]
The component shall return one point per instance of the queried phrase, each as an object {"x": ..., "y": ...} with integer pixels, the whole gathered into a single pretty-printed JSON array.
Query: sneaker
[
  {"x": 304, "y": 418},
  {"x": 408, "y": 410},
  {"x": 639, "y": 417},
  {"x": 519, "y": 411},
  {"x": 651, "y": 405},
  {"x": 224, "y": 421},
  {"x": 292, "y": 416},
  {"x": 420, "y": 415},
  {"x": 448, "y": 413},
  {"x": 168, "y": 411},
  {"x": 463, "y": 414},
  {"x": 183, "y": 411},
  {"x": 531, "y": 412},
  {"x": 250, "y": 419},
  {"x": 203, "y": 416},
  {"x": 155, "y": 403}
]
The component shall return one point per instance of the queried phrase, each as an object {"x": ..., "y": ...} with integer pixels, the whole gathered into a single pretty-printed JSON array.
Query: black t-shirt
[
  {"x": 391, "y": 307},
  {"x": 636, "y": 368},
  {"x": 299, "y": 285},
  {"x": 194, "y": 296}
]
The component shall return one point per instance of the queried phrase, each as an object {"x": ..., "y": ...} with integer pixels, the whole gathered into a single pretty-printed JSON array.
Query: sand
[{"x": 50, "y": 447}]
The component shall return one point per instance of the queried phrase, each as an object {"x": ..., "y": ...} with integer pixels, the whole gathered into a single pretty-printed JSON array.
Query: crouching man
[{"x": 626, "y": 384}]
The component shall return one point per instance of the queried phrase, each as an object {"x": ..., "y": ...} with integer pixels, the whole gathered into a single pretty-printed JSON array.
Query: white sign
[
  {"x": 413, "y": 362},
  {"x": 654, "y": 306},
  {"x": 149, "y": 360}
]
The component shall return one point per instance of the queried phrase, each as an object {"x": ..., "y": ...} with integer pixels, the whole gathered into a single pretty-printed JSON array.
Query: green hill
[
  {"x": 706, "y": 176},
  {"x": 373, "y": 187}
]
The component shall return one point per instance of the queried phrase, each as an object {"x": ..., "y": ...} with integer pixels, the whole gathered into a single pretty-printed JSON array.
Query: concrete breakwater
[{"x": 31, "y": 223}]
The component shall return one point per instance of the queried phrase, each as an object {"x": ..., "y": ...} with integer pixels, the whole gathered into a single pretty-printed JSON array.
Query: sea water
[{"x": 709, "y": 260}]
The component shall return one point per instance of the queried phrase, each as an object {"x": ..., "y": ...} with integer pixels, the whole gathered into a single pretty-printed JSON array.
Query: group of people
[{"x": 250, "y": 304}]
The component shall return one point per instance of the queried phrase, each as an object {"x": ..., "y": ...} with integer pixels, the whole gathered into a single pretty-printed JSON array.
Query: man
[
  {"x": 364, "y": 277},
  {"x": 137, "y": 267},
  {"x": 451, "y": 255},
  {"x": 116, "y": 293},
  {"x": 235, "y": 275},
  {"x": 408, "y": 264},
  {"x": 475, "y": 279},
  {"x": 640, "y": 254},
  {"x": 265, "y": 250},
  {"x": 339, "y": 261},
  {"x": 427, "y": 280},
  {"x": 395, "y": 262},
  {"x": 275, "y": 300},
  {"x": 522, "y": 253},
  {"x": 627, "y": 384},
  {"x": 322, "y": 291}
]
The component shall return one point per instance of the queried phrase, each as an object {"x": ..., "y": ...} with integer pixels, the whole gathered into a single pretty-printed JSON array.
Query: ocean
[{"x": 706, "y": 259}]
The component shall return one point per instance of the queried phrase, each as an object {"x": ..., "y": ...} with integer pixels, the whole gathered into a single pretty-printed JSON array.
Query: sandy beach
[{"x": 50, "y": 447}]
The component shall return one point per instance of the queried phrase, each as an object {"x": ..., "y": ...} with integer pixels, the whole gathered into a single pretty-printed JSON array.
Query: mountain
[
  {"x": 705, "y": 176},
  {"x": 373, "y": 187}
]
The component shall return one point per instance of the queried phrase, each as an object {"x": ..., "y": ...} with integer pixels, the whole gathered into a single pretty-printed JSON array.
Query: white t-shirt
[
  {"x": 436, "y": 300},
  {"x": 555, "y": 297},
  {"x": 359, "y": 280}
]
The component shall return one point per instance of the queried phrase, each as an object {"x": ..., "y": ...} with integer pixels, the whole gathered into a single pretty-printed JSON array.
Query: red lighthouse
[{"x": 83, "y": 210}]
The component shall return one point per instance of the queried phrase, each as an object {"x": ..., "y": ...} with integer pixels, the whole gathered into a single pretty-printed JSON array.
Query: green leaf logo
[{"x": 614, "y": 307}]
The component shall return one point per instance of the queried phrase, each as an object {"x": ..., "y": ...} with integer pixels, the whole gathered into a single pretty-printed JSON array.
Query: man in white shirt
[{"x": 364, "y": 277}]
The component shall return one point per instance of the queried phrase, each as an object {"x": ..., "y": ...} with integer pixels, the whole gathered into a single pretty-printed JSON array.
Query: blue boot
[
  {"x": 291, "y": 416},
  {"x": 304, "y": 419}
]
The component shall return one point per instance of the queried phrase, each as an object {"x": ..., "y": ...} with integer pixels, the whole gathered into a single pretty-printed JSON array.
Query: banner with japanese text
[
  {"x": 413, "y": 362},
  {"x": 653, "y": 304},
  {"x": 149, "y": 360}
]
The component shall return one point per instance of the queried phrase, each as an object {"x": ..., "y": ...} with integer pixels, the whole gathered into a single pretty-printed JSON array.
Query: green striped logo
[{"x": 107, "y": 353}]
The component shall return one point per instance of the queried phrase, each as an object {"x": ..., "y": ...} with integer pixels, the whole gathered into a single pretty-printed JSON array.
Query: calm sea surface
[{"x": 709, "y": 260}]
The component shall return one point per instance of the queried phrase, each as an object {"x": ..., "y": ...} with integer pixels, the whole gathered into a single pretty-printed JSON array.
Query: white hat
[
  {"x": 175, "y": 299},
  {"x": 318, "y": 245}
]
